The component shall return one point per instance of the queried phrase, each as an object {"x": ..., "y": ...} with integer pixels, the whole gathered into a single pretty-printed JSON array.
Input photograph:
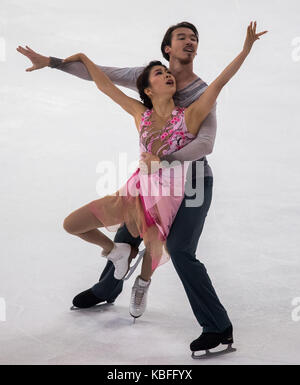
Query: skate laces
[
  {"x": 140, "y": 291},
  {"x": 139, "y": 295}
]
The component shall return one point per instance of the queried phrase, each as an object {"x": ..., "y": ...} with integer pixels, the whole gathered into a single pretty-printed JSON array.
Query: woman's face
[{"x": 161, "y": 81}]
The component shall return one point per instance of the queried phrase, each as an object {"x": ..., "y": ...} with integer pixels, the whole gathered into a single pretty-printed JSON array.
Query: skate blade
[
  {"x": 209, "y": 354},
  {"x": 132, "y": 268},
  {"x": 92, "y": 308},
  {"x": 134, "y": 319}
]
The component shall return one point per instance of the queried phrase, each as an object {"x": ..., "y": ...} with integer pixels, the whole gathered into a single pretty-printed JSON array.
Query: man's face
[{"x": 184, "y": 45}]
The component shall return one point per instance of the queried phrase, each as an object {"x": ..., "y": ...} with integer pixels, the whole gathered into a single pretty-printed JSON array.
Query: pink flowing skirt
[{"x": 147, "y": 204}]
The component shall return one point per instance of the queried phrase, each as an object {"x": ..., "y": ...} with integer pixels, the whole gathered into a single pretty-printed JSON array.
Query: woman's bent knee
[
  {"x": 81, "y": 221},
  {"x": 68, "y": 225}
]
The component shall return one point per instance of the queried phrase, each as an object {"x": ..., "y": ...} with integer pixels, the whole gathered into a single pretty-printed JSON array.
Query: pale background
[{"x": 56, "y": 128}]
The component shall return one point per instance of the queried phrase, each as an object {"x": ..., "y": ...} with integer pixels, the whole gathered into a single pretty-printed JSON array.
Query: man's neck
[{"x": 183, "y": 73}]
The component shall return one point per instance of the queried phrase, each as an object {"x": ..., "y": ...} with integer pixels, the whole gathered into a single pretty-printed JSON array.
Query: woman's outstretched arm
[
  {"x": 197, "y": 111},
  {"x": 104, "y": 84}
]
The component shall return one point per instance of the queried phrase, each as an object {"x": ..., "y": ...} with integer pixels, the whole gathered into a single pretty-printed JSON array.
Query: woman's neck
[{"x": 163, "y": 107}]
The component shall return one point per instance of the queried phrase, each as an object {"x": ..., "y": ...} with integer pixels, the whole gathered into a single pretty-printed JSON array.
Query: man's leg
[
  {"x": 108, "y": 288},
  {"x": 182, "y": 245}
]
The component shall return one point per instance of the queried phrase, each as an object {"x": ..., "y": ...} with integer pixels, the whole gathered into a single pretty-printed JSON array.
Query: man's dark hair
[
  {"x": 143, "y": 82},
  {"x": 168, "y": 36}
]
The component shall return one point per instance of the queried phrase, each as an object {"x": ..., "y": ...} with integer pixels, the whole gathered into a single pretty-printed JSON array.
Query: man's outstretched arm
[
  {"x": 125, "y": 77},
  {"x": 202, "y": 145}
]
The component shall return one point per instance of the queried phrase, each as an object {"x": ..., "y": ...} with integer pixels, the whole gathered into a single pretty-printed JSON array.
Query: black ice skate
[
  {"x": 211, "y": 340},
  {"x": 87, "y": 300}
]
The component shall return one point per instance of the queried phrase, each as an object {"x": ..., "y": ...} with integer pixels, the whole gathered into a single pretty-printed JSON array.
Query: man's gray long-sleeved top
[{"x": 201, "y": 146}]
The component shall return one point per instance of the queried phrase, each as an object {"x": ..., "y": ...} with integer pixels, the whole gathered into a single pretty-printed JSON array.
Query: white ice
[{"x": 55, "y": 129}]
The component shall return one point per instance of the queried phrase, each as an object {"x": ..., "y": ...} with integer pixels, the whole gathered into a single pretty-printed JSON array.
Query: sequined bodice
[{"x": 170, "y": 138}]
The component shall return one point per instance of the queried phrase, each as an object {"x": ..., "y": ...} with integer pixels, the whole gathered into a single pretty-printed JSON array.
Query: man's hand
[
  {"x": 251, "y": 37},
  {"x": 38, "y": 61},
  {"x": 149, "y": 163}
]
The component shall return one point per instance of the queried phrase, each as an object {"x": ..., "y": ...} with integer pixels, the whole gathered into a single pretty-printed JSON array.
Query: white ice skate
[
  {"x": 138, "y": 299},
  {"x": 119, "y": 256}
]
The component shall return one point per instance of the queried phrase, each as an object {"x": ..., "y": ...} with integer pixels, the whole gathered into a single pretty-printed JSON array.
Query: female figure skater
[{"x": 163, "y": 128}]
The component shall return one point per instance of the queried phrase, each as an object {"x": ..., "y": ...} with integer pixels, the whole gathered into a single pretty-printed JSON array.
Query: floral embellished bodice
[{"x": 170, "y": 138}]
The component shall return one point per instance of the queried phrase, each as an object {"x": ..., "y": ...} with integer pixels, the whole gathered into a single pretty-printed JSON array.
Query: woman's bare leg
[
  {"x": 146, "y": 271},
  {"x": 153, "y": 252},
  {"x": 83, "y": 223}
]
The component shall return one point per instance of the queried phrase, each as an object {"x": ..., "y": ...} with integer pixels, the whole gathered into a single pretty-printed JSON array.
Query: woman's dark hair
[
  {"x": 168, "y": 36},
  {"x": 143, "y": 82}
]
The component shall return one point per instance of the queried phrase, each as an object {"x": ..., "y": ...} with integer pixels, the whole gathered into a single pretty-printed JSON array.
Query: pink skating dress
[{"x": 148, "y": 203}]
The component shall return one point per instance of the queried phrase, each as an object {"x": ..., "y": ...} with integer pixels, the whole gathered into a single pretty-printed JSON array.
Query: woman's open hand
[
  {"x": 252, "y": 36},
  {"x": 76, "y": 57}
]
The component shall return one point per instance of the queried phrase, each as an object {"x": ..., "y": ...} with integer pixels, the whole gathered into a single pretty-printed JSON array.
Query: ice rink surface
[{"x": 55, "y": 129}]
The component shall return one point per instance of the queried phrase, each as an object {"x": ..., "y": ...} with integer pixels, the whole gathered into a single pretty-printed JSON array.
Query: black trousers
[{"x": 182, "y": 245}]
